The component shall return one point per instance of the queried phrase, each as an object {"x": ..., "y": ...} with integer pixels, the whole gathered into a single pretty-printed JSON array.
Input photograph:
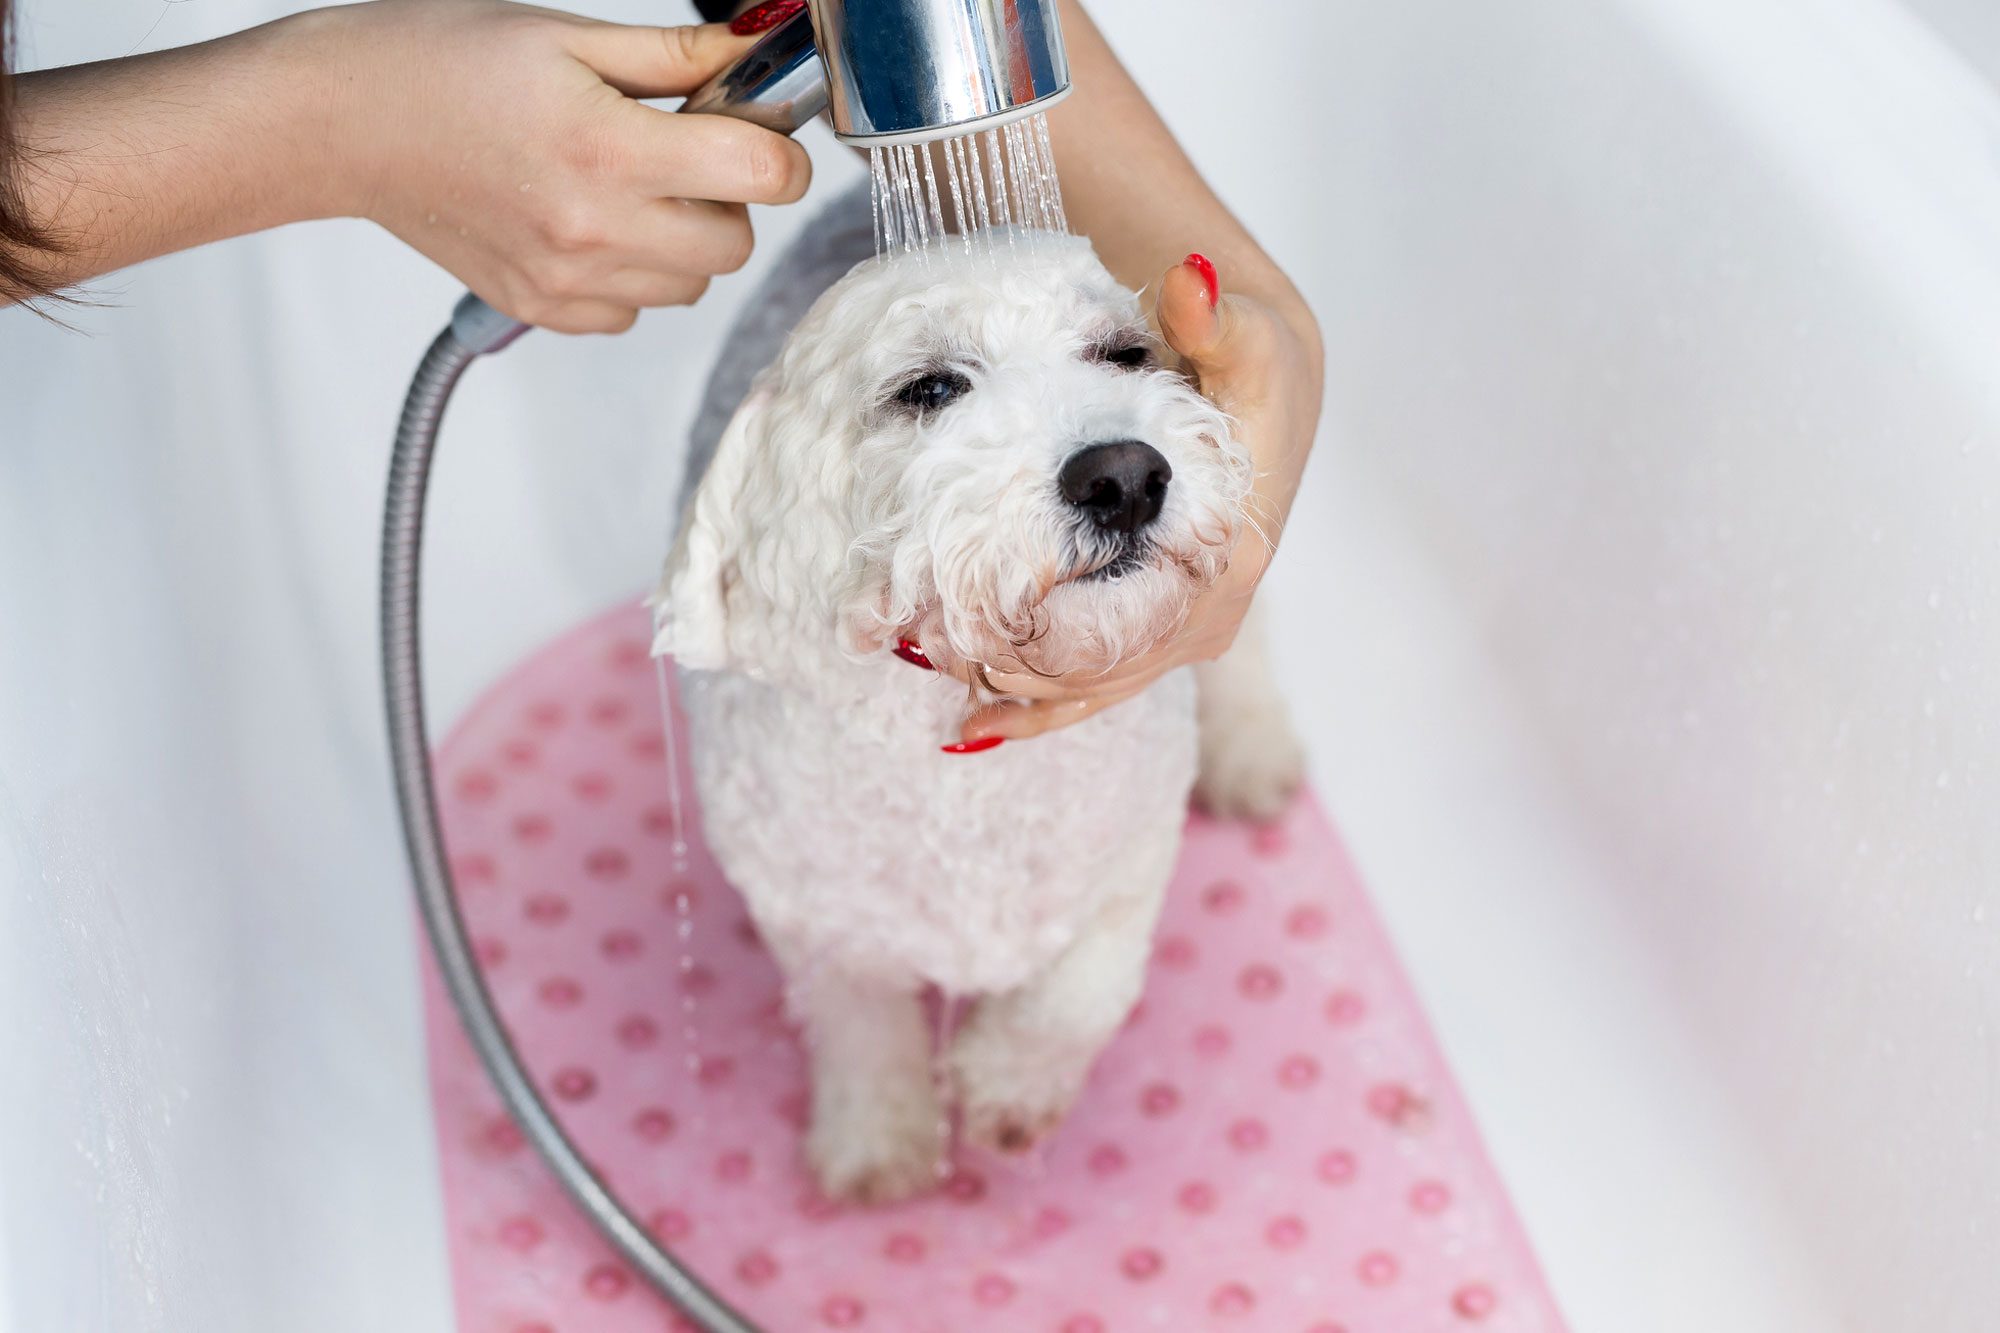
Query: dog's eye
[
  {"x": 1129, "y": 356},
  {"x": 928, "y": 393}
]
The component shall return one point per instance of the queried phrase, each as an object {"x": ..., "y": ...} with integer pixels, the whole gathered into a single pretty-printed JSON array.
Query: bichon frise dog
[{"x": 979, "y": 458}]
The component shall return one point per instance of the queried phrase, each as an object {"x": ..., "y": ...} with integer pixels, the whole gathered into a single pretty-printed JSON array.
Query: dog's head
[{"x": 985, "y": 454}]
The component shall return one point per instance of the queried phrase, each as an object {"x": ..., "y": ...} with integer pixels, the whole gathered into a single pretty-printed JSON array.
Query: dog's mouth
[{"x": 1128, "y": 557}]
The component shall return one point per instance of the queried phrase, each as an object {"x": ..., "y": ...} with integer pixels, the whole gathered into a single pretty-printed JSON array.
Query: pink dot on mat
[
  {"x": 476, "y": 785},
  {"x": 521, "y": 753},
  {"x": 904, "y": 1247},
  {"x": 1378, "y": 1268},
  {"x": 1327, "y": 1326},
  {"x": 608, "y": 710},
  {"x": 1160, "y": 1099},
  {"x": 536, "y": 1327},
  {"x": 1248, "y": 1135},
  {"x": 1175, "y": 951},
  {"x": 1222, "y": 897},
  {"x": 591, "y": 786},
  {"x": 1270, "y": 840},
  {"x": 575, "y": 1084},
  {"x": 733, "y": 1165},
  {"x": 649, "y": 745},
  {"x": 1212, "y": 1041},
  {"x": 715, "y": 1070},
  {"x": 670, "y": 1224},
  {"x": 842, "y": 1311},
  {"x": 1298, "y": 1071},
  {"x": 816, "y": 1207},
  {"x": 546, "y": 714},
  {"x": 1051, "y": 1221},
  {"x": 964, "y": 1186},
  {"x": 628, "y": 654},
  {"x": 521, "y": 1232},
  {"x": 1106, "y": 1159},
  {"x": 757, "y": 1267},
  {"x": 653, "y": 1124},
  {"x": 1344, "y": 1008},
  {"x": 1475, "y": 1300},
  {"x": 1337, "y": 1167},
  {"x": 606, "y": 863},
  {"x": 1260, "y": 981},
  {"x": 993, "y": 1289},
  {"x": 1141, "y": 1263},
  {"x": 560, "y": 993},
  {"x": 1307, "y": 921},
  {"x": 795, "y": 1109},
  {"x": 490, "y": 952},
  {"x": 477, "y": 868},
  {"x": 501, "y": 1135},
  {"x": 657, "y": 820},
  {"x": 1398, "y": 1105},
  {"x": 1430, "y": 1196},
  {"x": 619, "y": 945},
  {"x": 1285, "y": 1233},
  {"x": 607, "y": 1282},
  {"x": 533, "y": 828},
  {"x": 1083, "y": 1323},
  {"x": 546, "y": 909},
  {"x": 1197, "y": 1196},
  {"x": 636, "y": 1032},
  {"x": 1232, "y": 1298},
  {"x": 698, "y": 980}
]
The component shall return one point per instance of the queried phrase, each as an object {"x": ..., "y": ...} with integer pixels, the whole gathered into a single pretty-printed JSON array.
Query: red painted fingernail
[
  {"x": 909, "y": 652},
  {"x": 759, "y": 18},
  {"x": 1200, "y": 264},
  {"x": 972, "y": 747}
]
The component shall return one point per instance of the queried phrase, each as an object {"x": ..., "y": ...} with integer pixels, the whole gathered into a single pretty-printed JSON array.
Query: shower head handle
[{"x": 897, "y": 71}]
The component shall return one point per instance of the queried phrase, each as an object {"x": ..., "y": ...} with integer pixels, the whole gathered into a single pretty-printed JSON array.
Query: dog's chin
[{"x": 1103, "y": 614}]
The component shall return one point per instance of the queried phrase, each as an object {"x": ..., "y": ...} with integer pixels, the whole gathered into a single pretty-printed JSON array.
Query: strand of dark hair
[{"x": 21, "y": 237}]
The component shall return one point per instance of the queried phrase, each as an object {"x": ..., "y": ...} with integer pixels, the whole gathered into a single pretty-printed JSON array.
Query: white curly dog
[{"x": 984, "y": 457}]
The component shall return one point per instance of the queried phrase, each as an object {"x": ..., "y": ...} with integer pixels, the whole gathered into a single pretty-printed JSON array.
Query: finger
[
  {"x": 650, "y": 288},
  {"x": 1019, "y": 721},
  {"x": 587, "y": 316},
  {"x": 642, "y": 61},
  {"x": 714, "y": 157},
  {"x": 692, "y": 236},
  {"x": 1191, "y": 311}
]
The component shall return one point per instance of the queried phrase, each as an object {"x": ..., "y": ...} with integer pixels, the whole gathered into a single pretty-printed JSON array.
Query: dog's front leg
[
  {"x": 1023, "y": 1056},
  {"x": 1251, "y": 763},
  {"x": 877, "y": 1132}
]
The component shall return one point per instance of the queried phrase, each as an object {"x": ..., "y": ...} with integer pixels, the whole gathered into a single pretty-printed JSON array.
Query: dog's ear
[{"x": 692, "y": 605}]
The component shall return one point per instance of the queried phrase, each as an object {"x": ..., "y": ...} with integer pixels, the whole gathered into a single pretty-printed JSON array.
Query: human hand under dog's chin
[{"x": 1248, "y": 361}]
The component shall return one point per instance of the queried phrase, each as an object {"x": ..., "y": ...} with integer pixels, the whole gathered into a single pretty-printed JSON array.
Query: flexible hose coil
[{"x": 437, "y": 896}]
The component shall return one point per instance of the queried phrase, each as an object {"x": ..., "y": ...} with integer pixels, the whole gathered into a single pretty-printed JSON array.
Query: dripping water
[
  {"x": 678, "y": 861},
  {"x": 972, "y": 186}
]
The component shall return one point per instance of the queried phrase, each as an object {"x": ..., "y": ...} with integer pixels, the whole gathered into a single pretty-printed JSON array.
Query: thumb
[
  {"x": 1191, "y": 312},
  {"x": 657, "y": 62}
]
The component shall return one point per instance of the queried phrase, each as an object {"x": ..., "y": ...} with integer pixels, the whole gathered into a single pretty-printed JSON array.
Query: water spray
[{"x": 912, "y": 81}]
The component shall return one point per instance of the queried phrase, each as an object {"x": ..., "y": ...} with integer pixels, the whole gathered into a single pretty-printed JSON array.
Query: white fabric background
[{"x": 1641, "y": 610}]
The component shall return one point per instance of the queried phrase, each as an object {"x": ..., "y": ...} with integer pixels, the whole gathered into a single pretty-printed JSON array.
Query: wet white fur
[{"x": 830, "y": 523}]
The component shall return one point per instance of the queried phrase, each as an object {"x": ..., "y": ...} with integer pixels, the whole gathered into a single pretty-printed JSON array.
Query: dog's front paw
[
  {"x": 1251, "y": 763},
  {"x": 1010, "y": 1098},
  {"x": 875, "y": 1144}
]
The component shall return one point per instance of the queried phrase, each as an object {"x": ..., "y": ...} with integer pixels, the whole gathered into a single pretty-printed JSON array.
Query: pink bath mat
[{"x": 1273, "y": 1143}]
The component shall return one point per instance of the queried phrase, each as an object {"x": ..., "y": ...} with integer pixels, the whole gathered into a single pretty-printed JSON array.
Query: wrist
[{"x": 320, "y": 111}]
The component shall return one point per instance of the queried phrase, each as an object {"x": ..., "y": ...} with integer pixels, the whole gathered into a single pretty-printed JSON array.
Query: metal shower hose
[{"x": 476, "y": 329}]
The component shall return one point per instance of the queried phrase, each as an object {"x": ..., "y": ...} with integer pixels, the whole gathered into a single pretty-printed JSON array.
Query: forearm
[{"x": 127, "y": 159}]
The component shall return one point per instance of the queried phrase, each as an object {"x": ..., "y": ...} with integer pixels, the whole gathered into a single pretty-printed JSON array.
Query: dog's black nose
[{"x": 1121, "y": 485}]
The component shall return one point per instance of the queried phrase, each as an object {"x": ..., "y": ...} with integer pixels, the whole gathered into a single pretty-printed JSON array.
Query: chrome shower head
[{"x": 898, "y": 71}]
